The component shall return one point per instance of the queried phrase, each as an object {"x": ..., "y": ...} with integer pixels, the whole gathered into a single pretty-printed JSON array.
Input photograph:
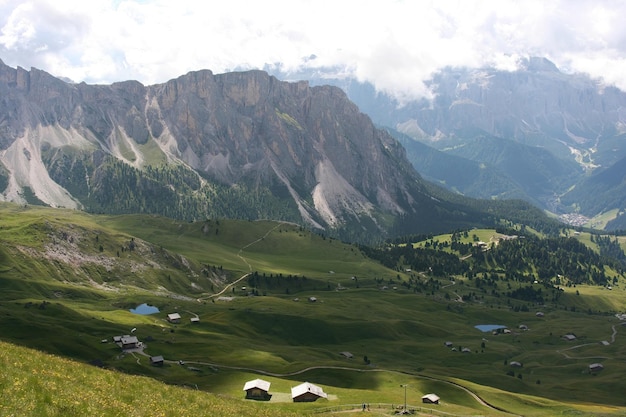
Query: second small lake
[
  {"x": 489, "y": 327},
  {"x": 144, "y": 309}
]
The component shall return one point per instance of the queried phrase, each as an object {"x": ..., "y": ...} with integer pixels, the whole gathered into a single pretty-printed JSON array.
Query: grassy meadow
[{"x": 69, "y": 279}]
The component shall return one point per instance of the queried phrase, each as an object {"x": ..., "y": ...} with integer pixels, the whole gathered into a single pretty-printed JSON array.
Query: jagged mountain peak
[{"x": 538, "y": 64}]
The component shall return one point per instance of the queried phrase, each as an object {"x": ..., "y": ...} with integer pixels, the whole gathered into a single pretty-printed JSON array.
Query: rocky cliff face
[{"x": 309, "y": 144}]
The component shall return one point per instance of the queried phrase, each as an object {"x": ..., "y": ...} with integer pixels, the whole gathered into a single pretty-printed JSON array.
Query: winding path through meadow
[
  {"x": 239, "y": 254},
  {"x": 564, "y": 351}
]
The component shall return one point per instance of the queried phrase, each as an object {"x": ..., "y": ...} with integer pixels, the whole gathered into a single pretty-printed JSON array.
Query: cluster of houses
[
  {"x": 175, "y": 318},
  {"x": 258, "y": 389},
  {"x": 129, "y": 342},
  {"x": 450, "y": 345}
]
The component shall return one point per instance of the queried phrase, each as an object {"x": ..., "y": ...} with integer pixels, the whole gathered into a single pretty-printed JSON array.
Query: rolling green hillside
[
  {"x": 275, "y": 301},
  {"x": 36, "y": 384}
]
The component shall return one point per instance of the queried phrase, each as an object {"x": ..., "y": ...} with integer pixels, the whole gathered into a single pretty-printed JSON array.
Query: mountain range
[
  {"x": 238, "y": 145},
  {"x": 552, "y": 138}
]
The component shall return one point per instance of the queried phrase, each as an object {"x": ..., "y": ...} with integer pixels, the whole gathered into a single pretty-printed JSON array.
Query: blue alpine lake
[
  {"x": 489, "y": 327},
  {"x": 144, "y": 309}
]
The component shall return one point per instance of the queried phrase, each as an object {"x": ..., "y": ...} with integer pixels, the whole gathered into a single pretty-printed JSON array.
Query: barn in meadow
[
  {"x": 257, "y": 389},
  {"x": 307, "y": 392}
]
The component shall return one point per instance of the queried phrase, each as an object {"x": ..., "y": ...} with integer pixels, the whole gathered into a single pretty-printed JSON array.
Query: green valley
[{"x": 275, "y": 301}]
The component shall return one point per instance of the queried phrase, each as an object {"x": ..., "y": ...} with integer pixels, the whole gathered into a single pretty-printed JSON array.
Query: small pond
[
  {"x": 489, "y": 327},
  {"x": 144, "y": 309}
]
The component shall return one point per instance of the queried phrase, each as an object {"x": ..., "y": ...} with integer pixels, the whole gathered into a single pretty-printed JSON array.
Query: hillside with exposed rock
[{"x": 238, "y": 145}]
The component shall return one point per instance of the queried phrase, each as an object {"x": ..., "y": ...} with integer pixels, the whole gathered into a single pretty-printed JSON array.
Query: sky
[{"x": 394, "y": 44}]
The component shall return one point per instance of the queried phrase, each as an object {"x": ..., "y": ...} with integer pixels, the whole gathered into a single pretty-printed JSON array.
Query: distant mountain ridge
[
  {"x": 242, "y": 145},
  {"x": 556, "y": 129}
]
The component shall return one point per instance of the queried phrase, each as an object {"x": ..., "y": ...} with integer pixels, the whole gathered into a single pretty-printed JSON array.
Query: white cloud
[
  {"x": 18, "y": 31},
  {"x": 393, "y": 43}
]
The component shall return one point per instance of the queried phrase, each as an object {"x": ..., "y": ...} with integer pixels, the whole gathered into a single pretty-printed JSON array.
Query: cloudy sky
[{"x": 392, "y": 43}]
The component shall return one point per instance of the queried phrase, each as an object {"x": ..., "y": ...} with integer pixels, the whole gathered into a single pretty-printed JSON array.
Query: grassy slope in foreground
[{"x": 37, "y": 384}]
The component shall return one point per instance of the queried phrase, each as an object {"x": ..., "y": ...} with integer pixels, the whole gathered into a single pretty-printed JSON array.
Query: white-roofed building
[
  {"x": 307, "y": 392},
  {"x": 596, "y": 367},
  {"x": 430, "y": 399},
  {"x": 173, "y": 318},
  {"x": 257, "y": 389}
]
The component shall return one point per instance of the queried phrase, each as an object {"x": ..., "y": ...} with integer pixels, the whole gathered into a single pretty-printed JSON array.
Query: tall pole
[{"x": 404, "y": 385}]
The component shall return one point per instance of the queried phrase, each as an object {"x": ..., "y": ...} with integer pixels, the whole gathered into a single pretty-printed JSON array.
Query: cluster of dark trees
[
  {"x": 108, "y": 185},
  {"x": 553, "y": 258},
  {"x": 435, "y": 262},
  {"x": 288, "y": 283},
  {"x": 609, "y": 248},
  {"x": 525, "y": 259}
]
